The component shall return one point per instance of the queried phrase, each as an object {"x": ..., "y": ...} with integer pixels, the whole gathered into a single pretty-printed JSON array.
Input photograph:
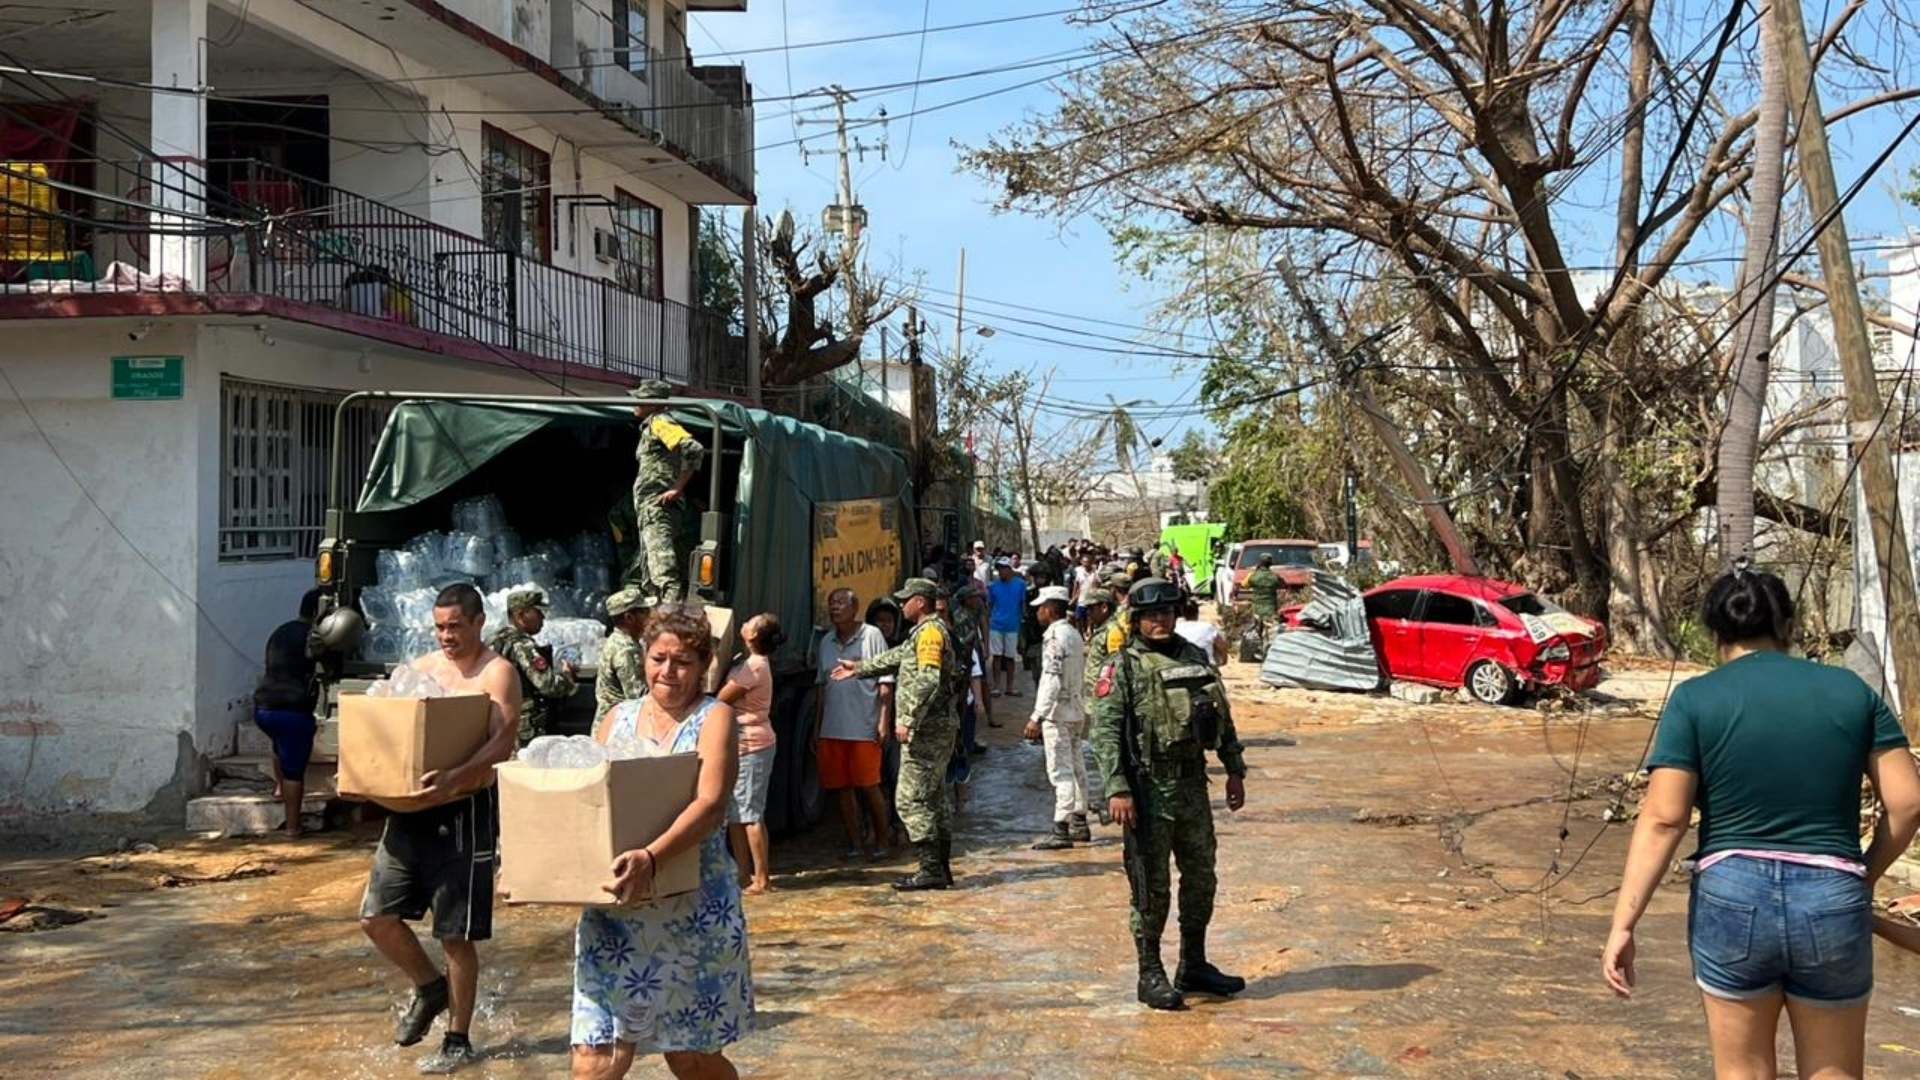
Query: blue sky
[{"x": 922, "y": 209}]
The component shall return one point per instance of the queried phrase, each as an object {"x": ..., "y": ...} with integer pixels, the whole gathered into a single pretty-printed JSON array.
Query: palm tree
[{"x": 1753, "y": 334}]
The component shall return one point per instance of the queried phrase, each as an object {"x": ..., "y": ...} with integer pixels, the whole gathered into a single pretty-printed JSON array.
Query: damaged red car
[{"x": 1494, "y": 638}]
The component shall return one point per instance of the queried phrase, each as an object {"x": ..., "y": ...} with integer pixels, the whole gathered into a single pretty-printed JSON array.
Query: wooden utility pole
[
  {"x": 1866, "y": 416},
  {"x": 1411, "y": 472}
]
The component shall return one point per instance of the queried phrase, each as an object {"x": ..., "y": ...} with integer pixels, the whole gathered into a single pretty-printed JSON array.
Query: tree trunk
[{"x": 1753, "y": 333}]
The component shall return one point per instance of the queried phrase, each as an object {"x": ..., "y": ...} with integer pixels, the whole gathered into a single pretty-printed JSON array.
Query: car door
[
  {"x": 1450, "y": 628},
  {"x": 1397, "y": 637}
]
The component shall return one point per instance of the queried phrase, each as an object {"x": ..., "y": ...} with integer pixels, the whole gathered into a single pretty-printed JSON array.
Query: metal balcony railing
[
  {"x": 86, "y": 227},
  {"x": 714, "y": 133}
]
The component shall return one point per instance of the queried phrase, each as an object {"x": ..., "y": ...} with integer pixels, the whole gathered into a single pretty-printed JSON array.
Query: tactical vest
[{"x": 1183, "y": 701}]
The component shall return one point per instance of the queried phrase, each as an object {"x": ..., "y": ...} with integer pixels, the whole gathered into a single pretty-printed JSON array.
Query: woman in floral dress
[{"x": 669, "y": 977}]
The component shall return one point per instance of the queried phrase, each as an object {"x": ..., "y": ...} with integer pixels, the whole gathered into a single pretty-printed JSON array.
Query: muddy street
[{"x": 1395, "y": 893}]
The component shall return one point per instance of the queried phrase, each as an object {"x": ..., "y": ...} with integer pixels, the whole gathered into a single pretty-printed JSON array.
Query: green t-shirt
[{"x": 1780, "y": 745}]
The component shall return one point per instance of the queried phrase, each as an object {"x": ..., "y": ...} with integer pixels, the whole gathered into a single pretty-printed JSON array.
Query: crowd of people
[{"x": 1769, "y": 751}]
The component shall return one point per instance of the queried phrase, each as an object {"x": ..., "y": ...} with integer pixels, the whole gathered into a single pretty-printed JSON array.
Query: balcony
[{"x": 270, "y": 242}]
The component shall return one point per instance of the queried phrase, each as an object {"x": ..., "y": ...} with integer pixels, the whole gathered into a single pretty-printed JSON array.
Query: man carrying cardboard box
[{"x": 440, "y": 856}]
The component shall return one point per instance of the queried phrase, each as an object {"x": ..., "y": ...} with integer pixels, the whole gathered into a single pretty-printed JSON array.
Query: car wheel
[{"x": 1490, "y": 683}]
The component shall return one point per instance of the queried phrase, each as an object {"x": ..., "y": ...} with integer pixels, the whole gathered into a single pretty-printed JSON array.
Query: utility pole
[
  {"x": 960, "y": 306},
  {"x": 915, "y": 435},
  {"x": 750, "y": 298},
  {"x": 1866, "y": 418},
  {"x": 1411, "y": 472},
  {"x": 846, "y": 218}
]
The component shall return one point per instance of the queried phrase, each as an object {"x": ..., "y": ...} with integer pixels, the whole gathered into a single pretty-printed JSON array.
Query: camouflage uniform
[
  {"x": 665, "y": 451},
  {"x": 542, "y": 682},
  {"x": 621, "y": 677},
  {"x": 1165, "y": 771},
  {"x": 924, "y": 703},
  {"x": 1263, "y": 587}
]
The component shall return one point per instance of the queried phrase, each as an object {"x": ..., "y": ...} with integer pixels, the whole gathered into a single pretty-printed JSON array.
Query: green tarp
[{"x": 787, "y": 466}]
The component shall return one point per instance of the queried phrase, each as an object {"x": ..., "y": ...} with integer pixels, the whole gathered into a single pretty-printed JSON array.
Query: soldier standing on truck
[
  {"x": 926, "y": 721},
  {"x": 542, "y": 682},
  {"x": 1158, "y": 707},
  {"x": 666, "y": 458},
  {"x": 621, "y": 677}
]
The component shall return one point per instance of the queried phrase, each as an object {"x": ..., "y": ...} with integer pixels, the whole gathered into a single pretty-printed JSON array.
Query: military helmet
[
  {"x": 1150, "y": 594},
  {"x": 341, "y": 629}
]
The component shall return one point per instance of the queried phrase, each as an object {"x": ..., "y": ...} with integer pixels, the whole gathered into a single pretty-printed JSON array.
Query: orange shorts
[{"x": 849, "y": 763}]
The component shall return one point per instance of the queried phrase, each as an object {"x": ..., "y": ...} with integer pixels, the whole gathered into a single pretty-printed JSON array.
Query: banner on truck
[{"x": 856, "y": 545}]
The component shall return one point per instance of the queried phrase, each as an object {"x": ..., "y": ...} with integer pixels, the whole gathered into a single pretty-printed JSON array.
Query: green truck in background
[
  {"x": 1196, "y": 544},
  {"x": 774, "y": 493}
]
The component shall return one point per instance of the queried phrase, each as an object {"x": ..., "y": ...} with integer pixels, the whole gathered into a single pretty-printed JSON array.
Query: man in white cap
[
  {"x": 982, "y": 566},
  {"x": 1059, "y": 719}
]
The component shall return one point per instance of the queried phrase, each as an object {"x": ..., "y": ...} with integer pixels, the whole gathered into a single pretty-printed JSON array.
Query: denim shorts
[
  {"x": 749, "y": 804},
  {"x": 1757, "y": 926}
]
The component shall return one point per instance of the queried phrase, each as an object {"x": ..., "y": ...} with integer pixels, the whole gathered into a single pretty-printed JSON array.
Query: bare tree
[{"x": 800, "y": 339}]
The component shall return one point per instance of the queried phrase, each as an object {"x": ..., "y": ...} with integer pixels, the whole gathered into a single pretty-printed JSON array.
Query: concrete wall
[{"x": 113, "y": 684}]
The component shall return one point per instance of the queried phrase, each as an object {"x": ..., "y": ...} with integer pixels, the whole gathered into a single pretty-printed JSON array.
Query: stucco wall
[
  {"x": 113, "y": 686},
  {"x": 96, "y": 649}
]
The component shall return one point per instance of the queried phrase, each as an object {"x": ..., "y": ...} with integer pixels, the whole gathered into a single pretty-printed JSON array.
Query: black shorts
[{"x": 441, "y": 859}]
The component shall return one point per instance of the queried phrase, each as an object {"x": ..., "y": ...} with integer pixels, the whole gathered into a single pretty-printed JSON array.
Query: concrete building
[{"x": 220, "y": 216}]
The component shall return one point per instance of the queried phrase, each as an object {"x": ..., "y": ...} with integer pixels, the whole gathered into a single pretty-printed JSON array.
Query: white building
[{"x": 218, "y": 217}]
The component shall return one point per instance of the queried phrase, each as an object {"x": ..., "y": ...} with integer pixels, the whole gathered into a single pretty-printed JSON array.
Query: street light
[{"x": 984, "y": 331}]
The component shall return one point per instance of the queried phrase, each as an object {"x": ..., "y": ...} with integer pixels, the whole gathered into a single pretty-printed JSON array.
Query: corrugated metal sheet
[{"x": 1336, "y": 654}]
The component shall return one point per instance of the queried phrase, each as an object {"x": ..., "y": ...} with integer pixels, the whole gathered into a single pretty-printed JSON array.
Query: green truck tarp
[{"x": 786, "y": 468}]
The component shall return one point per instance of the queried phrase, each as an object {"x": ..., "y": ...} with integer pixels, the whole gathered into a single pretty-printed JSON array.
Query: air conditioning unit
[{"x": 606, "y": 246}]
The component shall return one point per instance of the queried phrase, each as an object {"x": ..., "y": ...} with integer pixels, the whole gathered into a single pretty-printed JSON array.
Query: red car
[{"x": 1494, "y": 638}]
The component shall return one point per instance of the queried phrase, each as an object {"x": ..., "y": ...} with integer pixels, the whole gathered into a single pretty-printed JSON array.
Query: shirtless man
[{"x": 440, "y": 855}]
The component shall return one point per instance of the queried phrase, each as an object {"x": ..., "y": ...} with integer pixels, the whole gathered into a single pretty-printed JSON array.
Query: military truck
[{"x": 788, "y": 510}]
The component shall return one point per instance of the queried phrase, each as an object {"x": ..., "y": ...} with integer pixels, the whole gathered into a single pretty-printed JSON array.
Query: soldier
[
  {"x": 1263, "y": 591},
  {"x": 1059, "y": 719},
  {"x": 1157, "y": 708},
  {"x": 542, "y": 682},
  {"x": 666, "y": 457},
  {"x": 925, "y": 720},
  {"x": 622, "y": 677},
  {"x": 1161, "y": 564}
]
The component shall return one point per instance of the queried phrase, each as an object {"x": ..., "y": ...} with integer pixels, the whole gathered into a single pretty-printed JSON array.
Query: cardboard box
[
  {"x": 387, "y": 744},
  {"x": 720, "y": 620},
  {"x": 560, "y": 829}
]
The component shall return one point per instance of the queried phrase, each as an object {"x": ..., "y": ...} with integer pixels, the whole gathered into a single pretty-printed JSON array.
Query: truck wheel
[{"x": 1490, "y": 683}]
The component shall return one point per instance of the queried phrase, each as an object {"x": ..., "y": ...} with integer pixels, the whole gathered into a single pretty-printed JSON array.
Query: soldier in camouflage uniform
[
  {"x": 1158, "y": 707},
  {"x": 666, "y": 458},
  {"x": 1263, "y": 591},
  {"x": 543, "y": 683},
  {"x": 1100, "y": 622},
  {"x": 622, "y": 676},
  {"x": 926, "y": 720}
]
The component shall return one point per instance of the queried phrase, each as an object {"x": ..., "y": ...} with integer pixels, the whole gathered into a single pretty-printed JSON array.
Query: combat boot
[
  {"x": 1057, "y": 841},
  {"x": 1077, "y": 830},
  {"x": 929, "y": 876},
  {"x": 1197, "y": 976},
  {"x": 1154, "y": 991},
  {"x": 946, "y": 859}
]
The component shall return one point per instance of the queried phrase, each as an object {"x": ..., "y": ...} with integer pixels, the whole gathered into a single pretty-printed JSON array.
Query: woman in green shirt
[{"x": 1771, "y": 750}]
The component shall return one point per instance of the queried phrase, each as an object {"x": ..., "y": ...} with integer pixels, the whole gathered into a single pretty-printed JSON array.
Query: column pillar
[{"x": 176, "y": 179}]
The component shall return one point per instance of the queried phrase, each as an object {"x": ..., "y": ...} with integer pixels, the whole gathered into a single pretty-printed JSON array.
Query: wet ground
[{"x": 1395, "y": 892}]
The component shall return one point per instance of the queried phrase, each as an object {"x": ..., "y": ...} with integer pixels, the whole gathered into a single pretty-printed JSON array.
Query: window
[
  {"x": 1529, "y": 604},
  {"x": 514, "y": 182},
  {"x": 1450, "y": 610},
  {"x": 630, "y": 36},
  {"x": 1293, "y": 555},
  {"x": 1393, "y": 604},
  {"x": 636, "y": 224},
  {"x": 275, "y": 450}
]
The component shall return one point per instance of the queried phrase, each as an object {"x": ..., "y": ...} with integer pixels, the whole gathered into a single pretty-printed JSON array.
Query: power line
[{"x": 926, "y": 9}]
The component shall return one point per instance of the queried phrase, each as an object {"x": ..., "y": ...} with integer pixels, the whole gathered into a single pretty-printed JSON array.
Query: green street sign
[{"x": 149, "y": 378}]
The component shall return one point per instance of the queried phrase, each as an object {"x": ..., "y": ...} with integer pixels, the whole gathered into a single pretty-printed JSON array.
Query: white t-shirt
[{"x": 1201, "y": 633}]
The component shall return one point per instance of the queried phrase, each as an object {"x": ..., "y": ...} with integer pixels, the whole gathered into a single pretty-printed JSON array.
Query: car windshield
[
  {"x": 1283, "y": 555},
  {"x": 1528, "y": 604}
]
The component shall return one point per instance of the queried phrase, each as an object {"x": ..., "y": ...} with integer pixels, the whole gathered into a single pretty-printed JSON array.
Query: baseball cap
[
  {"x": 627, "y": 600},
  {"x": 651, "y": 390},
  {"x": 1051, "y": 593},
  {"x": 917, "y": 586},
  {"x": 520, "y": 599}
]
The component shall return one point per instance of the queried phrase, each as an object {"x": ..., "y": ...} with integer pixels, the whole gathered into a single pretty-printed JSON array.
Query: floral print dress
[{"x": 672, "y": 975}]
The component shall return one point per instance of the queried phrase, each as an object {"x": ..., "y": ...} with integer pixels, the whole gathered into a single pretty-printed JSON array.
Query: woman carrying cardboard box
[{"x": 671, "y": 977}]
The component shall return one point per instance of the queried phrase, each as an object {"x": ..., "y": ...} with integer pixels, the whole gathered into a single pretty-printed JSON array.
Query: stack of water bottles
[
  {"x": 484, "y": 551},
  {"x": 563, "y": 752}
]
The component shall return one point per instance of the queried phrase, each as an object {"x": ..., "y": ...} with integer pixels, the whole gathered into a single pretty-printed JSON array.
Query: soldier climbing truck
[{"x": 788, "y": 511}]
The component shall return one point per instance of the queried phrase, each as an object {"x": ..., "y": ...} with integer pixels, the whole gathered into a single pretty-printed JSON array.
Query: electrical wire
[{"x": 919, "y": 64}]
